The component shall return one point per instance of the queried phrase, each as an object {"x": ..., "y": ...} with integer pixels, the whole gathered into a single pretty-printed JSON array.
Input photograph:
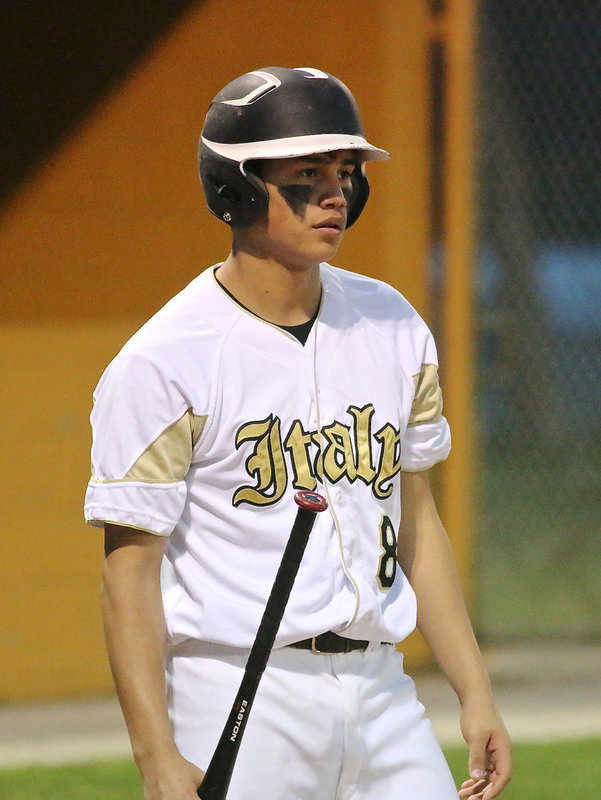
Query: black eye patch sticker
[{"x": 297, "y": 196}]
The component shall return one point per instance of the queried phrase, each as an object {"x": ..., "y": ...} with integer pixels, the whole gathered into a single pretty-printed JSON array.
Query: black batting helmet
[{"x": 277, "y": 113}]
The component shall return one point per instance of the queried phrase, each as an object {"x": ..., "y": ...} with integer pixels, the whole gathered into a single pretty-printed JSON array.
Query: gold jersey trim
[
  {"x": 167, "y": 459},
  {"x": 427, "y": 401},
  {"x": 129, "y": 527}
]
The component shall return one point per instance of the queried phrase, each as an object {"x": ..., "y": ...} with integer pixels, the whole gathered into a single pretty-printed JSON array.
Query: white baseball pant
[{"x": 341, "y": 727}]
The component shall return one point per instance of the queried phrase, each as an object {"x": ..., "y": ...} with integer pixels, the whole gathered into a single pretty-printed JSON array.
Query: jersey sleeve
[
  {"x": 427, "y": 438},
  {"x": 143, "y": 432}
]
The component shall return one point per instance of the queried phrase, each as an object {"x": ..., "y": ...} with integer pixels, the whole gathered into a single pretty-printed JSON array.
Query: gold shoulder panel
[
  {"x": 427, "y": 402},
  {"x": 168, "y": 458}
]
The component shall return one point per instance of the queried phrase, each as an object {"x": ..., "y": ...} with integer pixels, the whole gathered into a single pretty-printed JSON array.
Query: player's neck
[{"x": 271, "y": 290}]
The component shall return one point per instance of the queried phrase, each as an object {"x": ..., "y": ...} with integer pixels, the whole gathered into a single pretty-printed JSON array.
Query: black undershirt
[{"x": 301, "y": 332}]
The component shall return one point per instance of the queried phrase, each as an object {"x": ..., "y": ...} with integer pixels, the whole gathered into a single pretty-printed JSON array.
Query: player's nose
[{"x": 333, "y": 195}]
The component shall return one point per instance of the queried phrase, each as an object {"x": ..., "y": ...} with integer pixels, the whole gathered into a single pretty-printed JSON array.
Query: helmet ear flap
[
  {"x": 235, "y": 197},
  {"x": 359, "y": 195}
]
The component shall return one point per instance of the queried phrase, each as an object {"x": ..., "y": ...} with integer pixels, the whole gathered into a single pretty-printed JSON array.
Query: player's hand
[
  {"x": 171, "y": 778},
  {"x": 489, "y": 752}
]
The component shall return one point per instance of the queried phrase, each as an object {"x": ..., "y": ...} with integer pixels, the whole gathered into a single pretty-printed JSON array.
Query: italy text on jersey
[{"x": 354, "y": 452}]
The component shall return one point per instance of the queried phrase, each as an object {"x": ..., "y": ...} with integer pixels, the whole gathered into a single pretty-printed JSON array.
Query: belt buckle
[{"x": 314, "y": 648}]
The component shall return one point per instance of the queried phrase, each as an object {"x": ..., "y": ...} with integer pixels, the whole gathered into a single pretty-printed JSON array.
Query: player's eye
[
  {"x": 309, "y": 172},
  {"x": 345, "y": 174}
]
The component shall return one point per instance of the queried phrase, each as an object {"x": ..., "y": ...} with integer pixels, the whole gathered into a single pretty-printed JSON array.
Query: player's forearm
[
  {"x": 427, "y": 559},
  {"x": 445, "y": 625},
  {"x": 135, "y": 638}
]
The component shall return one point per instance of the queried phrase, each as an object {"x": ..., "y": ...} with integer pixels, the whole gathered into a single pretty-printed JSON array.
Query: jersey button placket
[{"x": 338, "y": 496}]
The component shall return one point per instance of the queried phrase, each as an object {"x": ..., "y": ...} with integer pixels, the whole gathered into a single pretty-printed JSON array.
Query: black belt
[{"x": 330, "y": 644}]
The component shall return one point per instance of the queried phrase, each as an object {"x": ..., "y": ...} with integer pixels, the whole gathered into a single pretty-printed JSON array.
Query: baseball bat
[{"x": 219, "y": 772}]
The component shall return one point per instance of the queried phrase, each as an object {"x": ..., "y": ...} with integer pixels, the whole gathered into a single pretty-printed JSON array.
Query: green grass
[
  {"x": 538, "y": 543},
  {"x": 110, "y": 780},
  {"x": 547, "y": 771},
  {"x": 541, "y": 772}
]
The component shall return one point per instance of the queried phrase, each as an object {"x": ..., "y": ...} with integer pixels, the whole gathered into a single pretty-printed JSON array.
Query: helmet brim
[{"x": 295, "y": 146}]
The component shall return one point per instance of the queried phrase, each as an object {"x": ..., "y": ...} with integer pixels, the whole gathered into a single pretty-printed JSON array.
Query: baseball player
[{"x": 274, "y": 371}]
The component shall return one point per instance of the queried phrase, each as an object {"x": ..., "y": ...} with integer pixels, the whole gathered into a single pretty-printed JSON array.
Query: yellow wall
[
  {"x": 110, "y": 228},
  {"x": 50, "y": 642}
]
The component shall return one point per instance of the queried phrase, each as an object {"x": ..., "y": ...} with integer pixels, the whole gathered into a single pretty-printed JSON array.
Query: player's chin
[
  {"x": 312, "y": 250},
  {"x": 328, "y": 242},
  {"x": 329, "y": 237}
]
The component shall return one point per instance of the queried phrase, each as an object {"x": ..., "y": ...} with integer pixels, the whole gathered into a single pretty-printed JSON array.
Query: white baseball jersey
[{"x": 209, "y": 420}]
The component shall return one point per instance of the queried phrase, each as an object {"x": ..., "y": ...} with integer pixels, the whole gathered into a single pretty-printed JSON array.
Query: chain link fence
[{"x": 539, "y": 318}]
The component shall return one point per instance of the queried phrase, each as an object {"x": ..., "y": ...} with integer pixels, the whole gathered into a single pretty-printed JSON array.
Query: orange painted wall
[{"x": 114, "y": 225}]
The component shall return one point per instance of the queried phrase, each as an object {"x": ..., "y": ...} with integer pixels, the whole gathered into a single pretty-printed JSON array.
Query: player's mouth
[{"x": 333, "y": 226}]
